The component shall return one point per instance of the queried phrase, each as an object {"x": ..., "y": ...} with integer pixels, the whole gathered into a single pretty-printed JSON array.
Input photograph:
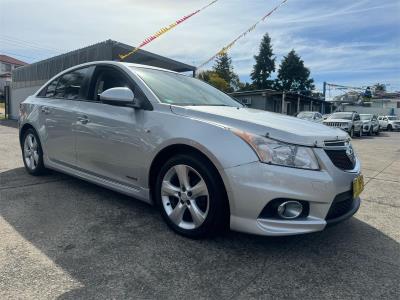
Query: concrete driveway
[{"x": 64, "y": 238}]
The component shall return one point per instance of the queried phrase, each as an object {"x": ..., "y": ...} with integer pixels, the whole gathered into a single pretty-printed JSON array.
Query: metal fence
[{"x": 38, "y": 73}]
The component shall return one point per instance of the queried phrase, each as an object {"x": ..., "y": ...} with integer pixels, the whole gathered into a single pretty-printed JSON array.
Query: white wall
[
  {"x": 19, "y": 95},
  {"x": 371, "y": 110}
]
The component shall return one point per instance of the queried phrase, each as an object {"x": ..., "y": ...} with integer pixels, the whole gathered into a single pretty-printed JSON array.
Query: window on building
[{"x": 7, "y": 67}]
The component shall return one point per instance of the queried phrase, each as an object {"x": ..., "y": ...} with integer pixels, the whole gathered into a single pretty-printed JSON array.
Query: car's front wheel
[
  {"x": 32, "y": 153},
  {"x": 190, "y": 196}
]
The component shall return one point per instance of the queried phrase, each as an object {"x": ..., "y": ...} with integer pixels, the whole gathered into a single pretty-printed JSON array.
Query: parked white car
[
  {"x": 389, "y": 122},
  {"x": 312, "y": 116},
  {"x": 347, "y": 121},
  {"x": 370, "y": 124}
]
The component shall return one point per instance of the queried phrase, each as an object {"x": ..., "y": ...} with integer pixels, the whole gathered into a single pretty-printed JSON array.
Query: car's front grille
[
  {"x": 341, "y": 159},
  {"x": 342, "y": 204},
  {"x": 333, "y": 124}
]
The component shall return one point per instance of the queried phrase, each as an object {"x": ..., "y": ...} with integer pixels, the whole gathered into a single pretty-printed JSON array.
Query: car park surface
[{"x": 65, "y": 238}]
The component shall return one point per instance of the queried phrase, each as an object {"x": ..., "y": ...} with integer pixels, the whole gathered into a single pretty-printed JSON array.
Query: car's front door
[
  {"x": 111, "y": 141},
  {"x": 59, "y": 112}
]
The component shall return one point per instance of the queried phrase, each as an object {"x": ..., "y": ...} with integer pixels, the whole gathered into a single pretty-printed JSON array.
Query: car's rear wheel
[
  {"x": 190, "y": 197},
  {"x": 32, "y": 153}
]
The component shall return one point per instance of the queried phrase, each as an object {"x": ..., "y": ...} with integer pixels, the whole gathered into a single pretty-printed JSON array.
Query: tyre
[
  {"x": 360, "y": 133},
  {"x": 389, "y": 128},
  {"x": 190, "y": 196},
  {"x": 352, "y": 132},
  {"x": 32, "y": 153}
]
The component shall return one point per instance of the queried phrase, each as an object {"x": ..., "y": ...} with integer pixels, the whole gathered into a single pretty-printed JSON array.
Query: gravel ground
[{"x": 65, "y": 238}]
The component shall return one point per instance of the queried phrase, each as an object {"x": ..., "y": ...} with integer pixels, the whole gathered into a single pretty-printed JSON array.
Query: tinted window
[
  {"x": 73, "y": 85},
  {"x": 49, "y": 91},
  {"x": 108, "y": 79},
  {"x": 356, "y": 117}
]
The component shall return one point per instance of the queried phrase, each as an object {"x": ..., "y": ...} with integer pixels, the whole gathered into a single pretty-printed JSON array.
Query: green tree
[
  {"x": 215, "y": 80},
  {"x": 293, "y": 75},
  {"x": 264, "y": 66},
  {"x": 224, "y": 69}
]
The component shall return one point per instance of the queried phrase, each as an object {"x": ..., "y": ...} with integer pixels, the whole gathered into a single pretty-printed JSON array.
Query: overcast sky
[{"x": 345, "y": 42}]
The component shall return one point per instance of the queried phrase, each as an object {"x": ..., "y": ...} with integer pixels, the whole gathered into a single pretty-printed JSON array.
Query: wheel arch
[
  {"x": 174, "y": 149},
  {"x": 23, "y": 129}
]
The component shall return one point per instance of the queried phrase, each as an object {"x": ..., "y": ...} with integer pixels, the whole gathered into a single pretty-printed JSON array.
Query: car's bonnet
[
  {"x": 337, "y": 120},
  {"x": 277, "y": 126}
]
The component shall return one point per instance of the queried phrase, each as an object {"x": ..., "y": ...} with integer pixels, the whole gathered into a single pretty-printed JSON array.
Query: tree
[
  {"x": 293, "y": 75},
  {"x": 264, "y": 66},
  {"x": 215, "y": 80},
  {"x": 379, "y": 88},
  {"x": 224, "y": 69}
]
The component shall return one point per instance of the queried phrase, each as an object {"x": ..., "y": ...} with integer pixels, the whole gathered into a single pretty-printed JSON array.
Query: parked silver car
[
  {"x": 205, "y": 160},
  {"x": 312, "y": 116},
  {"x": 347, "y": 121},
  {"x": 370, "y": 124}
]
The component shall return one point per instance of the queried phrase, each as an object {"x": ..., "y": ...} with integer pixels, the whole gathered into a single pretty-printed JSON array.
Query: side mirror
[{"x": 121, "y": 96}]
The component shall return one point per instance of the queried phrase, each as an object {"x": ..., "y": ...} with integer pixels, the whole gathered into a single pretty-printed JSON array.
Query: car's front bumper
[{"x": 252, "y": 186}]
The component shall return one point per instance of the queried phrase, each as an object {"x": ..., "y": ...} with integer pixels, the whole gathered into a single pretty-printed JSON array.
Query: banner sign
[
  {"x": 230, "y": 45},
  {"x": 164, "y": 30}
]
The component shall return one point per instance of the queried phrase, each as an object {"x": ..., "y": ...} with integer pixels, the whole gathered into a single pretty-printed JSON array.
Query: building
[
  {"x": 7, "y": 65},
  {"x": 288, "y": 103},
  {"x": 384, "y": 103},
  {"x": 27, "y": 80}
]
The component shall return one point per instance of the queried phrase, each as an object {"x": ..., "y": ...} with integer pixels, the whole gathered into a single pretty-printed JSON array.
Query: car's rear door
[
  {"x": 111, "y": 141},
  {"x": 59, "y": 114}
]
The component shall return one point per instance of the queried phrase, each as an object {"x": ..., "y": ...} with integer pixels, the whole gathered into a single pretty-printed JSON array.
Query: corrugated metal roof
[{"x": 43, "y": 70}]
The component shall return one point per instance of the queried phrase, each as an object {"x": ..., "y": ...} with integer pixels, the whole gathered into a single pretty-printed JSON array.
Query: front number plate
[{"x": 358, "y": 186}]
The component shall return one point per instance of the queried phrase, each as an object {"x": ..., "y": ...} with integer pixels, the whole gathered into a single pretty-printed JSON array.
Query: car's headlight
[{"x": 279, "y": 153}]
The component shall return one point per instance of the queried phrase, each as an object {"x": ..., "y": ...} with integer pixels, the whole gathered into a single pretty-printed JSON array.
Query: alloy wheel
[
  {"x": 31, "y": 154},
  {"x": 185, "y": 197}
]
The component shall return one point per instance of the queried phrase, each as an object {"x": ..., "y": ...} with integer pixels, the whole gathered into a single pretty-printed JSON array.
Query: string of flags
[
  {"x": 164, "y": 30},
  {"x": 242, "y": 35}
]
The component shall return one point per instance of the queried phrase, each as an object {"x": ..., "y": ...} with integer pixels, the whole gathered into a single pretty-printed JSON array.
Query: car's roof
[{"x": 117, "y": 63}]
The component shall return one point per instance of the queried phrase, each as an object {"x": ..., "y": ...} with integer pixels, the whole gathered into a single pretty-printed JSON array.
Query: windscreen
[
  {"x": 173, "y": 88},
  {"x": 365, "y": 117}
]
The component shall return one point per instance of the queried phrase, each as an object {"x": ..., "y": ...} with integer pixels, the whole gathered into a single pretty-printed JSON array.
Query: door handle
[
  {"x": 83, "y": 119},
  {"x": 45, "y": 110}
]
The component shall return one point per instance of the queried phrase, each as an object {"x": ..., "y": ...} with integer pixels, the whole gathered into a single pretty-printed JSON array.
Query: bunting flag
[
  {"x": 164, "y": 30},
  {"x": 242, "y": 35}
]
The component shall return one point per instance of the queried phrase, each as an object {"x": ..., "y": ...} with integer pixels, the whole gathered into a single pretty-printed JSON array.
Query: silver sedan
[{"x": 203, "y": 159}]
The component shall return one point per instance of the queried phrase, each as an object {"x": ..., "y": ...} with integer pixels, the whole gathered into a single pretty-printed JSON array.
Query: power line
[{"x": 30, "y": 43}]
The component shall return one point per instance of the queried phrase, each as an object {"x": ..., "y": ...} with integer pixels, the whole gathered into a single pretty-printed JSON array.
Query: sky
[{"x": 354, "y": 43}]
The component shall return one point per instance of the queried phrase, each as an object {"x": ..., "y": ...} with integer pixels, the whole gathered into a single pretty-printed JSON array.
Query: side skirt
[{"x": 140, "y": 193}]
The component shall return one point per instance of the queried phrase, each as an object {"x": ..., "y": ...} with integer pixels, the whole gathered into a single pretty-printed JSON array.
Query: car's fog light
[{"x": 290, "y": 209}]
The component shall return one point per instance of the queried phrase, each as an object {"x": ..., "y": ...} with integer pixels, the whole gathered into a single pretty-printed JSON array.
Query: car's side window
[
  {"x": 356, "y": 117},
  {"x": 50, "y": 90},
  {"x": 73, "y": 85},
  {"x": 105, "y": 78}
]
